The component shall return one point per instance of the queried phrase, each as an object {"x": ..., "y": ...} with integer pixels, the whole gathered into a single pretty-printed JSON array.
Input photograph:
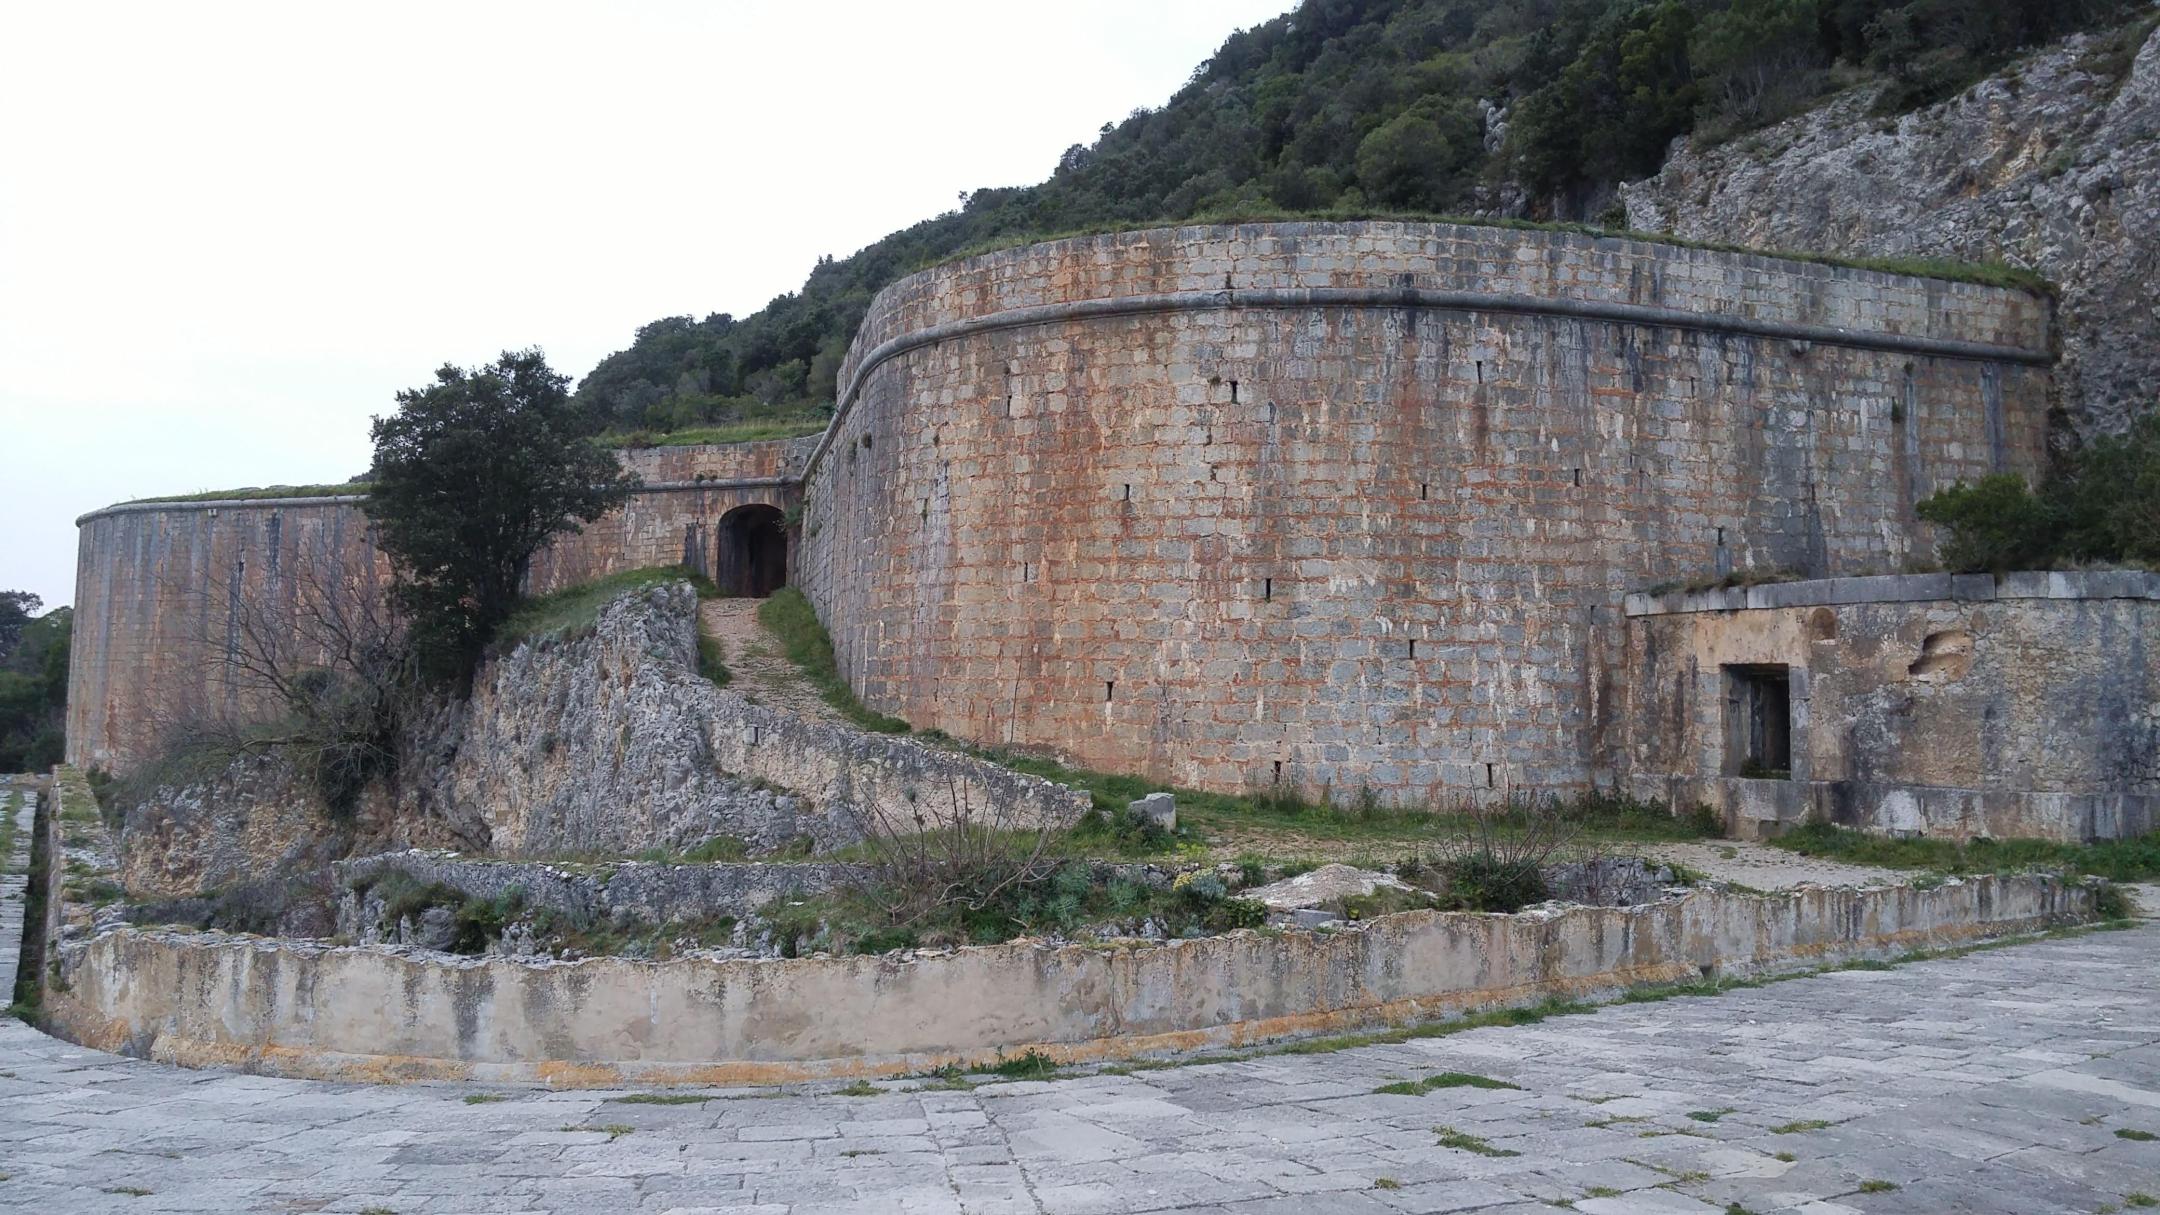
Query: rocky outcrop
[
  {"x": 633, "y": 892},
  {"x": 2052, "y": 165},
  {"x": 604, "y": 743},
  {"x": 611, "y": 743},
  {"x": 255, "y": 819}
]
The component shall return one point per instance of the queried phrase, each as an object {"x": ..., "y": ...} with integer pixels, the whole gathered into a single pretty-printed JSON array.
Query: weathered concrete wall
[
  {"x": 375, "y": 1013},
  {"x": 157, "y": 583},
  {"x": 1184, "y": 502},
  {"x": 1955, "y": 706}
]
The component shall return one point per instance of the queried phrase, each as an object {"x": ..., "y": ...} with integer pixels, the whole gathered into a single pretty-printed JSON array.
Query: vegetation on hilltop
[{"x": 1521, "y": 108}]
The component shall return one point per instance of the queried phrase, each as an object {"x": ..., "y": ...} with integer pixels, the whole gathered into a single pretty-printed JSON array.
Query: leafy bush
[{"x": 2103, "y": 505}]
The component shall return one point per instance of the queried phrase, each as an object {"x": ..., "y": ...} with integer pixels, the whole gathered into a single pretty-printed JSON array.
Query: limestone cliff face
[
  {"x": 2053, "y": 165},
  {"x": 604, "y": 742}
]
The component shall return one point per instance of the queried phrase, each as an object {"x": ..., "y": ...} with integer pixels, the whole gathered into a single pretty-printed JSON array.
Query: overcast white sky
[{"x": 229, "y": 233}]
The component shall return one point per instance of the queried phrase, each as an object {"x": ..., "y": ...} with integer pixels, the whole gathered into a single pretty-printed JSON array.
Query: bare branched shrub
[
  {"x": 924, "y": 863},
  {"x": 1497, "y": 857},
  {"x": 315, "y": 669}
]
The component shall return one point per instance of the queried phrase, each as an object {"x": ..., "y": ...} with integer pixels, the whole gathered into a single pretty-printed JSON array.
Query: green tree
[
  {"x": 16, "y": 609},
  {"x": 1413, "y": 160},
  {"x": 33, "y": 687},
  {"x": 472, "y": 475}
]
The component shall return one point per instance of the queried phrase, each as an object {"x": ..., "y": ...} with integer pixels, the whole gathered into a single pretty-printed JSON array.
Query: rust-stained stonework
[
  {"x": 1332, "y": 506},
  {"x": 1354, "y": 506},
  {"x": 155, "y": 582}
]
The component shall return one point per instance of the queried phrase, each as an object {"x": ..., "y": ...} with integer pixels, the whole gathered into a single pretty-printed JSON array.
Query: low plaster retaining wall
[{"x": 374, "y": 1013}]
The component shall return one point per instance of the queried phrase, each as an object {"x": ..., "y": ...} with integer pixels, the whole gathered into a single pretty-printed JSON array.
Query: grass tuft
[
  {"x": 1801, "y": 1127},
  {"x": 662, "y": 1099},
  {"x": 1452, "y": 1138},
  {"x": 2136, "y": 1136},
  {"x": 1418, "y": 1088},
  {"x": 1030, "y": 1064}
]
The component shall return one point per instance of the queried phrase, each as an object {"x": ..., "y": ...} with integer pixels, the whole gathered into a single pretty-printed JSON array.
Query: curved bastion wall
[
  {"x": 1344, "y": 506},
  {"x": 165, "y": 592}
]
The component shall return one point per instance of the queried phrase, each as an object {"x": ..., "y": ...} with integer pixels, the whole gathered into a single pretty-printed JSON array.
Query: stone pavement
[{"x": 1993, "y": 1082}]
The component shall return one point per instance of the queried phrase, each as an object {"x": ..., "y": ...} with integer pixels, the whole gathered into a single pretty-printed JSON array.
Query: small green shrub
[
  {"x": 1030, "y": 1064},
  {"x": 2102, "y": 505},
  {"x": 1485, "y": 881}
]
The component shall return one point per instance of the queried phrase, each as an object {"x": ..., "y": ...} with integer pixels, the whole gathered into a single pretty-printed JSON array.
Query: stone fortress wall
[
  {"x": 1954, "y": 705},
  {"x": 1332, "y": 506},
  {"x": 163, "y": 589},
  {"x": 1354, "y": 506}
]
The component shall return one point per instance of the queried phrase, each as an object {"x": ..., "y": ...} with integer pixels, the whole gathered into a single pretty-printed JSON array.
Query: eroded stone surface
[{"x": 1327, "y": 884}]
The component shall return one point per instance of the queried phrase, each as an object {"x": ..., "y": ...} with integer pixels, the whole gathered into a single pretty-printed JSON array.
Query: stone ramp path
[
  {"x": 1993, "y": 1082},
  {"x": 761, "y": 671}
]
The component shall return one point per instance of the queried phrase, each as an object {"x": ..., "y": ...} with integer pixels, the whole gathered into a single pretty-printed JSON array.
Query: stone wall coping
[
  {"x": 215, "y": 504},
  {"x": 1904, "y": 588},
  {"x": 859, "y": 367}
]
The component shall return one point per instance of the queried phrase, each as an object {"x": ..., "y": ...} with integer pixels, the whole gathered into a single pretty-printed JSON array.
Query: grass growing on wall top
[
  {"x": 263, "y": 491},
  {"x": 803, "y": 638},
  {"x": 734, "y": 432},
  {"x": 2130, "y": 860},
  {"x": 578, "y": 607}
]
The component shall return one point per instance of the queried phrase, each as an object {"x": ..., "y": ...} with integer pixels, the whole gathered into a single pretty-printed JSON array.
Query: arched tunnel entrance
[{"x": 753, "y": 544}]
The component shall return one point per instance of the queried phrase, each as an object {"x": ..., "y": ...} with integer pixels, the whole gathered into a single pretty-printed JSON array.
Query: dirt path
[{"x": 761, "y": 672}]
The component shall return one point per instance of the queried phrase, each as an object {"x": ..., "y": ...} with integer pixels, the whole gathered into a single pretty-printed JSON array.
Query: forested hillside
[{"x": 1518, "y": 108}]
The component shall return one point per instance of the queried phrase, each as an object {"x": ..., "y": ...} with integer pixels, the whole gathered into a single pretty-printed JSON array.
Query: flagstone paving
[{"x": 1997, "y": 1081}]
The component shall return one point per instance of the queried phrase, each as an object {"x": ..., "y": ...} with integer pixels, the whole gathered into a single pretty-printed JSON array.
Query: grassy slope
[
  {"x": 578, "y": 607},
  {"x": 2131, "y": 860}
]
